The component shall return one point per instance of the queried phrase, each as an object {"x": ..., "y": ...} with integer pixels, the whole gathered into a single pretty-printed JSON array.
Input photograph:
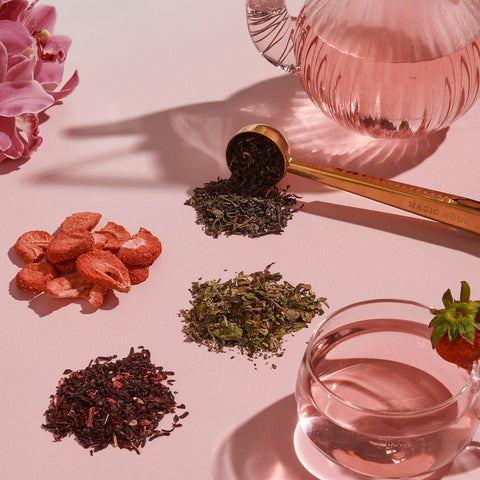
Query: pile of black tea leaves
[
  {"x": 251, "y": 313},
  {"x": 116, "y": 402},
  {"x": 222, "y": 209},
  {"x": 248, "y": 203}
]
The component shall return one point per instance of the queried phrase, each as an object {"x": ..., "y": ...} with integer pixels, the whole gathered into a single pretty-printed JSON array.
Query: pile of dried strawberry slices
[{"x": 78, "y": 262}]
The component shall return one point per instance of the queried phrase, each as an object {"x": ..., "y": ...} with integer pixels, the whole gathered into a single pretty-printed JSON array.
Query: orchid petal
[
  {"x": 14, "y": 148},
  {"x": 7, "y": 126},
  {"x": 14, "y": 60},
  {"x": 3, "y": 62},
  {"x": 23, "y": 97},
  {"x": 42, "y": 17},
  {"x": 31, "y": 69},
  {"x": 56, "y": 48},
  {"x": 11, "y": 10},
  {"x": 27, "y": 125},
  {"x": 5, "y": 140},
  {"x": 17, "y": 148},
  {"x": 22, "y": 70},
  {"x": 68, "y": 88},
  {"x": 49, "y": 74},
  {"x": 14, "y": 36}
]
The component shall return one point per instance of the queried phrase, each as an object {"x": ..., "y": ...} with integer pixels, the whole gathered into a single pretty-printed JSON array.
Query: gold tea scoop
[{"x": 258, "y": 157}]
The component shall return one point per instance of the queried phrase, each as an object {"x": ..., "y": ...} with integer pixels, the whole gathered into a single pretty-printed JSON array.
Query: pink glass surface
[
  {"x": 387, "y": 69},
  {"x": 163, "y": 87},
  {"x": 374, "y": 397},
  {"x": 322, "y": 467}
]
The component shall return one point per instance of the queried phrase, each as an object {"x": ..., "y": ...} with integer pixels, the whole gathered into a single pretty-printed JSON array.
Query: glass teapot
[{"x": 386, "y": 68}]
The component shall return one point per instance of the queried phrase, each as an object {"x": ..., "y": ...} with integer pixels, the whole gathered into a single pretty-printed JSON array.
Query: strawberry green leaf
[
  {"x": 458, "y": 317},
  {"x": 467, "y": 332},
  {"x": 474, "y": 308},
  {"x": 439, "y": 319},
  {"x": 447, "y": 298},
  {"x": 438, "y": 333},
  {"x": 453, "y": 331},
  {"x": 465, "y": 292}
]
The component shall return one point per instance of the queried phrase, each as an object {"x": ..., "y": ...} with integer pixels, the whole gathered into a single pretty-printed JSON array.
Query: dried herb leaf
[{"x": 249, "y": 312}]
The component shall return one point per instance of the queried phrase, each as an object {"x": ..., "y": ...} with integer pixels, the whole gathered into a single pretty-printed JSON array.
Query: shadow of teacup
[
  {"x": 468, "y": 460},
  {"x": 262, "y": 448}
]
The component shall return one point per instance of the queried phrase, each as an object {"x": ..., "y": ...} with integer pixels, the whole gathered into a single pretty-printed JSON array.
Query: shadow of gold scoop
[{"x": 258, "y": 157}]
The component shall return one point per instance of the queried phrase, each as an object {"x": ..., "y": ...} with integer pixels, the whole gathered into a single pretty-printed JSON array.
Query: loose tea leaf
[
  {"x": 222, "y": 209},
  {"x": 119, "y": 403},
  {"x": 252, "y": 313},
  {"x": 383, "y": 127}
]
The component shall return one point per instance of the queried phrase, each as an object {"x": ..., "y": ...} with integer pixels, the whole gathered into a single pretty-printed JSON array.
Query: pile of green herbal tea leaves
[
  {"x": 221, "y": 208},
  {"x": 252, "y": 313}
]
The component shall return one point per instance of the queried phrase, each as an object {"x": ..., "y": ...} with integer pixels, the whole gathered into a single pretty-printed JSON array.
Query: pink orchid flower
[{"x": 32, "y": 61}]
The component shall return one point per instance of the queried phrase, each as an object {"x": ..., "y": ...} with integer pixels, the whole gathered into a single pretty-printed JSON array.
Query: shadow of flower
[{"x": 189, "y": 142}]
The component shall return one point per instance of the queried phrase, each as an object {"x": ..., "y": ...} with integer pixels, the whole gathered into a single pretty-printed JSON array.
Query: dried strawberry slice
[
  {"x": 115, "y": 235},
  {"x": 138, "y": 274},
  {"x": 69, "y": 245},
  {"x": 68, "y": 266},
  {"x": 105, "y": 269},
  {"x": 99, "y": 240},
  {"x": 31, "y": 246},
  {"x": 81, "y": 221},
  {"x": 96, "y": 295},
  {"x": 33, "y": 277},
  {"x": 85, "y": 260},
  {"x": 142, "y": 250},
  {"x": 72, "y": 286}
]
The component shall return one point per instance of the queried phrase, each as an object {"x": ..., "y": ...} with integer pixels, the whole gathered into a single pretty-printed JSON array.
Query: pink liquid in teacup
[{"x": 374, "y": 397}]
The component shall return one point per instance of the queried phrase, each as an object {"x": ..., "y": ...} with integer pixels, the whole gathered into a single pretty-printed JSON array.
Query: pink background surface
[{"x": 163, "y": 86}]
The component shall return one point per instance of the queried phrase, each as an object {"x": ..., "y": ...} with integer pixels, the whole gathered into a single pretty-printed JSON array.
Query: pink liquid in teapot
[{"x": 407, "y": 76}]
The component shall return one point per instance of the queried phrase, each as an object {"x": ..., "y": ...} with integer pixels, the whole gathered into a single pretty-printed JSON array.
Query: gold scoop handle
[{"x": 458, "y": 212}]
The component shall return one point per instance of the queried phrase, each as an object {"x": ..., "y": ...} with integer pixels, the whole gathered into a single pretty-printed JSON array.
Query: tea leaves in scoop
[{"x": 256, "y": 163}]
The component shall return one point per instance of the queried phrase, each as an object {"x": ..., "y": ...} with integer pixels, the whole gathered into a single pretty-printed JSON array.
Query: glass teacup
[{"x": 374, "y": 397}]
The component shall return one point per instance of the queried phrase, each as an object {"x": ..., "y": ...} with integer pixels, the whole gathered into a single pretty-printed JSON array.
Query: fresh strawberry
[{"x": 456, "y": 328}]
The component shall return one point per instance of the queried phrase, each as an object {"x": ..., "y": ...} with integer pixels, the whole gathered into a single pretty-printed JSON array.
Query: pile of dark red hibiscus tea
[{"x": 121, "y": 403}]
